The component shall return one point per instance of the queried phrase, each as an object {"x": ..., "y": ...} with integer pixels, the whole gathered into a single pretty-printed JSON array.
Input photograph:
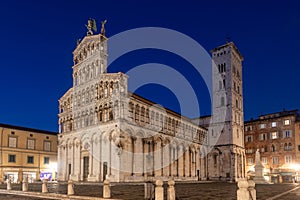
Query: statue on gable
[
  {"x": 103, "y": 28},
  {"x": 91, "y": 26}
]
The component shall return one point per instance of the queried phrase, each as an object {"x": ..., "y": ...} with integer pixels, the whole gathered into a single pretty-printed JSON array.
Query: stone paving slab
[
  {"x": 293, "y": 195},
  {"x": 265, "y": 191},
  {"x": 16, "y": 197}
]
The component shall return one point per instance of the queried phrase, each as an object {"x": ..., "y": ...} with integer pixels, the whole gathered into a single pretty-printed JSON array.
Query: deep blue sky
[{"x": 38, "y": 37}]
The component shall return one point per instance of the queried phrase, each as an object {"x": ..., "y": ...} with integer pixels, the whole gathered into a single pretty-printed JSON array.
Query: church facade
[{"x": 107, "y": 132}]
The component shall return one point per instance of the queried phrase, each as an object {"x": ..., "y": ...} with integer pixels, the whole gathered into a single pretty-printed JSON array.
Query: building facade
[
  {"x": 276, "y": 136},
  {"x": 107, "y": 132},
  {"x": 27, "y": 152}
]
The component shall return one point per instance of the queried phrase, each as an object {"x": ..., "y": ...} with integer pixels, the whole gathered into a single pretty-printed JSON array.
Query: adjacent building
[
  {"x": 27, "y": 152},
  {"x": 277, "y": 137},
  {"x": 107, "y": 132}
]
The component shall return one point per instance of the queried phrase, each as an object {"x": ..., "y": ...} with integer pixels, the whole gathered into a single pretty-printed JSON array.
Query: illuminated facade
[
  {"x": 27, "y": 152},
  {"x": 107, "y": 132},
  {"x": 277, "y": 137}
]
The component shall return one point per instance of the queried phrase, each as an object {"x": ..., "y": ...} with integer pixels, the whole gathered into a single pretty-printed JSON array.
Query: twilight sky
[{"x": 38, "y": 37}]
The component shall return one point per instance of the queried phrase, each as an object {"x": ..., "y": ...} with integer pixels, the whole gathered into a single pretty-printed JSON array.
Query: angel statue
[{"x": 91, "y": 26}]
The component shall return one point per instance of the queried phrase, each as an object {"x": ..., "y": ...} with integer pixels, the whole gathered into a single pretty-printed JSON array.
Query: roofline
[
  {"x": 257, "y": 120},
  {"x": 145, "y": 100},
  {"x": 27, "y": 129},
  {"x": 202, "y": 117},
  {"x": 97, "y": 36},
  {"x": 283, "y": 111},
  {"x": 149, "y": 102}
]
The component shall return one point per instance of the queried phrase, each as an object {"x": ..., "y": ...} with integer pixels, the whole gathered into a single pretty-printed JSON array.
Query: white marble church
[{"x": 107, "y": 132}]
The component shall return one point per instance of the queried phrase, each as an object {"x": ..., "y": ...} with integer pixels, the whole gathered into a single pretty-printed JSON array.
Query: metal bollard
[
  {"x": 70, "y": 187},
  {"x": 106, "y": 189},
  {"x": 44, "y": 186}
]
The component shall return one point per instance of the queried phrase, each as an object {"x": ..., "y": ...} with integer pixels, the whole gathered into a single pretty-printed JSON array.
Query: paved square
[{"x": 184, "y": 191}]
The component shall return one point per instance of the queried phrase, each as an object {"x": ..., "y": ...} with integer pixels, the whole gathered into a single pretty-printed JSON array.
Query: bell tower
[{"x": 227, "y": 128}]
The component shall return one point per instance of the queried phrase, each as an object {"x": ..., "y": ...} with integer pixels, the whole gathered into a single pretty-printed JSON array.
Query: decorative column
[
  {"x": 244, "y": 165},
  {"x": 77, "y": 161},
  {"x": 110, "y": 146},
  {"x": 193, "y": 163},
  {"x": 71, "y": 145},
  {"x": 236, "y": 166},
  {"x": 175, "y": 167},
  {"x": 133, "y": 154},
  {"x": 152, "y": 158},
  {"x": 138, "y": 157},
  {"x": 60, "y": 164},
  {"x": 66, "y": 164},
  {"x": 161, "y": 158},
  {"x": 91, "y": 158},
  {"x": 170, "y": 160},
  {"x": 146, "y": 156},
  {"x": 187, "y": 162},
  {"x": 166, "y": 159},
  {"x": 180, "y": 161},
  {"x": 100, "y": 159},
  {"x": 233, "y": 164},
  {"x": 239, "y": 160},
  {"x": 157, "y": 157}
]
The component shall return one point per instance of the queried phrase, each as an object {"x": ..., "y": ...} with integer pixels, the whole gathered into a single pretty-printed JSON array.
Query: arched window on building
[
  {"x": 142, "y": 114},
  {"x": 290, "y": 146},
  {"x": 137, "y": 113},
  {"x": 131, "y": 110},
  {"x": 285, "y": 146},
  {"x": 273, "y": 148},
  {"x": 100, "y": 116},
  {"x": 111, "y": 115}
]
